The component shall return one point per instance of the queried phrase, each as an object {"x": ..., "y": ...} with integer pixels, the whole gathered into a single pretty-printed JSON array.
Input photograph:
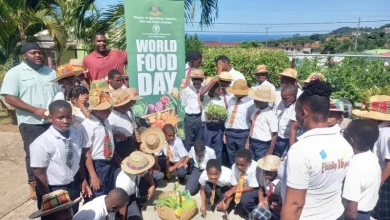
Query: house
[{"x": 387, "y": 30}]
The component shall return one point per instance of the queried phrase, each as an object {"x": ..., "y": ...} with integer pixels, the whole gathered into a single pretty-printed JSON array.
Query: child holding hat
[
  {"x": 225, "y": 80},
  {"x": 336, "y": 112},
  {"x": 98, "y": 143},
  {"x": 238, "y": 121},
  {"x": 264, "y": 130}
]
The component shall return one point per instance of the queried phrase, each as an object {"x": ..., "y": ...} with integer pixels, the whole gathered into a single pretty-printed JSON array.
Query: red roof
[
  {"x": 386, "y": 54},
  {"x": 216, "y": 44}
]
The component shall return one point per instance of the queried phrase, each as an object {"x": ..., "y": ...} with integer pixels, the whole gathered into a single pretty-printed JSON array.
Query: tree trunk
[{"x": 22, "y": 33}]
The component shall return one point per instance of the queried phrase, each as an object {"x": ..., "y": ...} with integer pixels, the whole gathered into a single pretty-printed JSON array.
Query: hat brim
[
  {"x": 128, "y": 170},
  {"x": 251, "y": 93},
  {"x": 371, "y": 115},
  {"x": 198, "y": 77},
  {"x": 259, "y": 72},
  {"x": 237, "y": 92},
  {"x": 261, "y": 164},
  {"x": 74, "y": 73},
  {"x": 225, "y": 79},
  {"x": 101, "y": 107},
  {"x": 123, "y": 103},
  {"x": 160, "y": 135},
  {"x": 41, "y": 213},
  {"x": 292, "y": 77}
]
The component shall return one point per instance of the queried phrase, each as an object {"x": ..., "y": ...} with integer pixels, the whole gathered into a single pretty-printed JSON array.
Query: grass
[{"x": 4, "y": 118}]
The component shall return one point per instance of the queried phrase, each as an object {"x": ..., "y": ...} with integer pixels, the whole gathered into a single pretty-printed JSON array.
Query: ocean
[{"x": 233, "y": 37}]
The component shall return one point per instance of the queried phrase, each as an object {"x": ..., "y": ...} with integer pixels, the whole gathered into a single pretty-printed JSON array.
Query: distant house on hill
[
  {"x": 307, "y": 48},
  {"x": 387, "y": 30}
]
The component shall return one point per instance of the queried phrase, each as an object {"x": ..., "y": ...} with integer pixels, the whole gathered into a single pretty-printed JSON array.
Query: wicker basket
[{"x": 166, "y": 213}]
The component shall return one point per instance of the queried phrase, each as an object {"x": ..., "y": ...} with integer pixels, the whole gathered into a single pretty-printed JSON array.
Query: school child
[
  {"x": 269, "y": 189},
  {"x": 199, "y": 155},
  {"x": 225, "y": 80},
  {"x": 173, "y": 156},
  {"x": 363, "y": 179},
  {"x": 264, "y": 130},
  {"x": 103, "y": 207},
  {"x": 125, "y": 80},
  {"x": 214, "y": 182},
  {"x": 134, "y": 168},
  {"x": 212, "y": 129},
  {"x": 336, "y": 112},
  {"x": 245, "y": 185},
  {"x": 98, "y": 145},
  {"x": 289, "y": 76},
  {"x": 135, "y": 97},
  {"x": 115, "y": 80},
  {"x": 56, "y": 156},
  {"x": 238, "y": 120},
  {"x": 190, "y": 99},
  {"x": 262, "y": 77},
  {"x": 66, "y": 76},
  {"x": 376, "y": 109},
  {"x": 285, "y": 112},
  {"x": 78, "y": 96}
]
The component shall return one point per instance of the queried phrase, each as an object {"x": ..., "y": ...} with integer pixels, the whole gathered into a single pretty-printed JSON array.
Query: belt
[
  {"x": 361, "y": 212},
  {"x": 237, "y": 130},
  {"x": 194, "y": 115}
]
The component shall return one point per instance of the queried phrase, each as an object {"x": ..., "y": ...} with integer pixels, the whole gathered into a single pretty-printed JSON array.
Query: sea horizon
[{"x": 237, "y": 37}]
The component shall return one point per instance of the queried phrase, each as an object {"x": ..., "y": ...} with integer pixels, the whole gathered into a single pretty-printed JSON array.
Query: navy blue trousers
[
  {"x": 219, "y": 192},
  {"x": 212, "y": 137},
  {"x": 133, "y": 211},
  {"x": 281, "y": 146},
  {"x": 181, "y": 172},
  {"x": 249, "y": 201},
  {"x": 192, "y": 130},
  {"x": 258, "y": 148},
  {"x": 193, "y": 185},
  {"x": 105, "y": 170},
  {"x": 124, "y": 148},
  {"x": 235, "y": 140}
]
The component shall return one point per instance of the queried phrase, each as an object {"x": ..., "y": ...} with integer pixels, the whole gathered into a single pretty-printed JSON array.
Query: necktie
[
  {"x": 212, "y": 198},
  {"x": 107, "y": 149},
  {"x": 253, "y": 123},
  {"x": 240, "y": 186},
  {"x": 199, "y": 104},
  {"x": 168, "y": 162},
  {"x": 69, "y": 153},
  {"x": 233, "y": 115},
  {"x": 271, "y": 189}
]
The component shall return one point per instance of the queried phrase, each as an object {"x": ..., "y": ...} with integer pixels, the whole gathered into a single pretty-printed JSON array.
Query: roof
[
  {"x": 216, "y": 44},
  {"x": 386, "y": 54}
]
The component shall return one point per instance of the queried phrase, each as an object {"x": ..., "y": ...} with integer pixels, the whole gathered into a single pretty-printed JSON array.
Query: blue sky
[{"x": 292, "y": 11}]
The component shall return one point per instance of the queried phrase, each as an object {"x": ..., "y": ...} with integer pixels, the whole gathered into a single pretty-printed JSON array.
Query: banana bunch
[{"x": 169, "y": 202}]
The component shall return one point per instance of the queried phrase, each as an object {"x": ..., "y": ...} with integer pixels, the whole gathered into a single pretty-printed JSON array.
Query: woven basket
[{"x": 166, "y": 213}]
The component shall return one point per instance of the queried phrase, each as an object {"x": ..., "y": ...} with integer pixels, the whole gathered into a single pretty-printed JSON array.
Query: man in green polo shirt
[{"x": 27, "y": 87}]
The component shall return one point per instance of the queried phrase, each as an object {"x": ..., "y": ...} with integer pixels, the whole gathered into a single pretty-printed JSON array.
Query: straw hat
[
  {"x": 101, "y": 85},
  {"x": 262, "y": 93},
  {"x": 99, "y": 100},
  {"x": 269, "y": 163},
  {"x": 336, "y": 105},
  {"x": 262, "y": 69},
  {"x": 74, "y": 68},
  {"x": 152, "y": 140},
  {"x": 120, "y": 97},
  {"x": 225, "y": 76},
  {"x": 208, "y": 80},
  {"x": 54, "y": 202},
  {"x": 197, "y": 74},
  {"x": 240, "y": 87},
  {"x": 133, "y": 94},
  {"x": 74, "y": 110},
  {"x": 314, "y": 76},
  {"x": 137, "y": 163},
  {"x": 377, "y": 108},
  {"x": 289, "y": 72}
]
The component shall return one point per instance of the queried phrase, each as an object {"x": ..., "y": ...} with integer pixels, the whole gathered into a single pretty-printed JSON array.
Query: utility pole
[
  {"x": 357, "y": 34},
  {"x": 266, "y": 41}
]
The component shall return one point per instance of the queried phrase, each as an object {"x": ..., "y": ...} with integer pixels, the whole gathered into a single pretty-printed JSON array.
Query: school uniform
[
  {"x": 178, "y": 151},
  {"x": 266, "y": 83},
  {"x": 60, "y": 94},
  {"x": 248, "y": 200},
  {"x": 120, "y": 123},
  {"x": 79, "y": 118},
  {"x": 278, "y": 93},
  {"x": 95, "y": 210},
  {"x": 222, "y": 185},
  {"x": 213, "y": 132},
  {"x": 197, "y": 166},
  {"x": 61, "y": 158},
  {"x": 264, "y": 124},
  {"x": 96, "y": 137},
  {"x": 237, "y": 125},
  {"x": 192, "y": 120},
  {"x": 285, "y": 116}
]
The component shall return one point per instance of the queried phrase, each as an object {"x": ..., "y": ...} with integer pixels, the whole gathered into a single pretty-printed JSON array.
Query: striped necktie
[
  {"x": 168, "y": 162},
  {"x": 240, "y": 186},
  {"x": 107, "y": 149},
  {"x": 212, "y": 198},
  {"x": 233, "y": 115},
  {"x": 69, "y": 153},
  {"x": 253, "y": 123}
]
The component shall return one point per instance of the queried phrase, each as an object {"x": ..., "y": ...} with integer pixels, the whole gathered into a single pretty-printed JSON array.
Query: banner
[{"x": 156, "y": 59}]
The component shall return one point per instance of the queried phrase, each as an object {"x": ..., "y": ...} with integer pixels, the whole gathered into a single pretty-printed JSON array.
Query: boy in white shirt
[
  {"x": 115, "y": 80},
  {"x": 214, "y": 182},
  {"x": 78, "y": 96},
  {"x": 56, "y": 156},
  {"x": 289, "y": 76},
  {"x": 190, "y": 99},
  {"x": 363, "y": 179},
  {"x": 336, "y": 112},
  {"x": 262, "y": 78},
  {"x": 199, "y": 155},
  {"x": 263, "y": 133}
]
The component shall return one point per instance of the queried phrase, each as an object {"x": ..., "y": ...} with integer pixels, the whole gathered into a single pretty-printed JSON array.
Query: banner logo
[
  {"x": 156, "y": 28},
  {"x": 155, "y": 10}
]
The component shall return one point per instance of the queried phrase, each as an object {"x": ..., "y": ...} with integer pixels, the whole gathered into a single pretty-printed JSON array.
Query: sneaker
[{"x": 33, "y": 194}]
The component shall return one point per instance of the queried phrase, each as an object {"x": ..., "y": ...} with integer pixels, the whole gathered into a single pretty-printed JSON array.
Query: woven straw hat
[
  {"x": 336, "y": 105},
  {"x": 240, "y": 87},
  {"x": 262, "y": 93},
  {"x": 225, "y": 76},
  {"x": 152, "y": 140},
  {"x": 262, "y": 69},
  {"x": 378, "y": 108},
  {"x": 208, "y": 80},
  {"x": 133, "y": 94},
  {"x": 74, "y": 68},
  {"x": 120, "y": 97},
  {"x": 314, "y": 76},
  {"x": 137, "y": 163},
  {"x": 54, "y": 202},
  {"x": 269, "y": 163},
  {"x": 101, "y": 85},
  {"x": 74, "y": 110},
  {"x": 289, "y": 72},
  {"x": 197, "y": 74},
  {"x": 99, "y": 100}
]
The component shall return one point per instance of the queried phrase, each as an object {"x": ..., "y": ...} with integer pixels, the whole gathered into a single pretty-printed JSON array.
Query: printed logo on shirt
[
  {"x": 323, "y": 154},
  {"x": 334, "y": 165}
]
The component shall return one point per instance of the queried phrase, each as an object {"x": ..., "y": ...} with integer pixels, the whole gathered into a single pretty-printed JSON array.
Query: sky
[{"x": 282, "y": 16}]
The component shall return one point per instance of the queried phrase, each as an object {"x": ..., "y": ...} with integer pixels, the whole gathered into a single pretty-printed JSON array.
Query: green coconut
[{"x": 188, "y": 204}]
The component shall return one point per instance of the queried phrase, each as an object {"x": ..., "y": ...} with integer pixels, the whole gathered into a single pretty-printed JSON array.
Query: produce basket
[{"x": 166, "y": 213}]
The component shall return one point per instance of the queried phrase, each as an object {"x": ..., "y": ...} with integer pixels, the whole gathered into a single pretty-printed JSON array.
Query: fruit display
[{"x": 159, "y": 119}]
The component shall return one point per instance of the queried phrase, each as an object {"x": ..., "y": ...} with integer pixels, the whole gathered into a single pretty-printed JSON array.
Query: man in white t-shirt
[
  {"x": 361, "y": 185},
  {"x": 223, "y": 64}
]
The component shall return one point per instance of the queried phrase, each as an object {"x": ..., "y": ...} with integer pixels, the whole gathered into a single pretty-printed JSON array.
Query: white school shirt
[
  {"x": 208, "y": 154},
  {"x": 228, "y": 98},
  {"x": 243, "y": 115},
  {"x": 189, "y": 99},
  {"x": 48, "y": 151},
  {"x": 79, "y": 118},
  {"x": 177, "y": 149},
  {"x": 250, "y": 175},
  {"x": 264, "y": 182},
  {"x": 337, "y": 128},
  {"x": 127, "y": 182},
  {"x": 278, "y": 93},
  {"x": 363, "y": 181},
  {"x": 285, "y": 116},
  {"x": 110, "y": 87},
  {"x": 318, "y": 163},
  {"x": 382, "y": 145},
  {"x": 224, "y": 179},
  {"x": 236, "y": 75},
  {"x": 207, "y": 100},
  {"x": 60, "y": 94},
  {"x": 93, "y": 133},
  {"x": 95, "y": 210},
  {"x": 120, "y": 123},
  {"x": 266, "y": 124}
]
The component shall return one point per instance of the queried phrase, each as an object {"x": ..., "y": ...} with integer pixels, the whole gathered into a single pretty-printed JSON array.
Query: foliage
[
  {"x": 307, "y": 67},
  {"x": 193, "y": 43},
  {"x": 251, "y": 44}
]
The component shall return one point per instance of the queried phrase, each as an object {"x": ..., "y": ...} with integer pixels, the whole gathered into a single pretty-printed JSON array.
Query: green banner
[{"x": 156, "y": 57}]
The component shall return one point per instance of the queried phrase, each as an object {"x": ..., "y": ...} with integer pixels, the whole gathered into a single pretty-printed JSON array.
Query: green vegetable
[
  {"x": 139, "y": 109},
  {"x": 216, "y": 112},
  {"x": 188, "y": 204}
]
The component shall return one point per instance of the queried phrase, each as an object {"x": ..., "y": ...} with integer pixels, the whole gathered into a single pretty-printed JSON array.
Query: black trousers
[
  {"x": 192, "y": 129},
  {"x": 29, "y": 133}
]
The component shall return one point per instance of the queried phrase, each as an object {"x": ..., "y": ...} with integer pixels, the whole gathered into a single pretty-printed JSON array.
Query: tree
[{"x": 193, "y": 43}]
